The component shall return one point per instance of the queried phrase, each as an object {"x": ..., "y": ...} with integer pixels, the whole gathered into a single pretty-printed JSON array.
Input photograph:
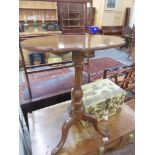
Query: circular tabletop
[{"x": 68, "y": 43}]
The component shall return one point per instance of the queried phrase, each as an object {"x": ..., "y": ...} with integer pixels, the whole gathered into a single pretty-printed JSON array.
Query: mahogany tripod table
[{"x": 80, "y": 45}]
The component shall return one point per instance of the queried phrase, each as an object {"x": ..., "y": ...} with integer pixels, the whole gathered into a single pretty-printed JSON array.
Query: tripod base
[{"x": 76, "y": 116}]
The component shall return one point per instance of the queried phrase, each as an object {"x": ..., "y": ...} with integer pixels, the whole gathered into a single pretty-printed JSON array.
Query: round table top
[{"x": 68, "y": 43}]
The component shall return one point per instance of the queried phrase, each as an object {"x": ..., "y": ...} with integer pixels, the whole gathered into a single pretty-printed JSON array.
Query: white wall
[{"x": 113, "y": 17}]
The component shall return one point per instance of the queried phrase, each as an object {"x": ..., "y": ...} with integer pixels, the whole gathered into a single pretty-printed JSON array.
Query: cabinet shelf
[
  {"x": 38, "y": 8},
  {"x": 39, "y": 20},
  {"x": 72, "y": 26},
  {"x": 71, "y": 29},
  {"x": 73, "y": 19},
  {"x": 70, "y": 12},
  {"x": 37, "y": 5},
  {"x": 73, "y": 11}
]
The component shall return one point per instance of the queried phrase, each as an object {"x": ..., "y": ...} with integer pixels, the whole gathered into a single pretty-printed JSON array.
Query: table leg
[
  {"x": 65, "y": 129},
  {"x": 78, "y": 112}
]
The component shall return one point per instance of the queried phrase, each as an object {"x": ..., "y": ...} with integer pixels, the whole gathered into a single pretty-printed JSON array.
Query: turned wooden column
[{"x": 77, "y": 92}]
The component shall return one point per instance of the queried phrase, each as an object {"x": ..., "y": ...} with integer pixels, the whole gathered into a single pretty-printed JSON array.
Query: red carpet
[{"x": 96, "y": 67}]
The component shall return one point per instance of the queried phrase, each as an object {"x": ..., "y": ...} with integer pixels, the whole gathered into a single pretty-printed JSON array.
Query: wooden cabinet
[
  {"x": 39, "y": 10},
  {"x": 73, "y": 16}
]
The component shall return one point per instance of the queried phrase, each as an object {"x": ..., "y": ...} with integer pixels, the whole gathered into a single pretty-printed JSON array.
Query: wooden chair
[
  {"x": 123, "y": 76},
  {"x": 125, "y": 35},
  {"x": 126, "y": 30},
  {"x": 132, "y": 36},
  {"x": 129, "y": 35},
  {"x": 131, "y": 44}
]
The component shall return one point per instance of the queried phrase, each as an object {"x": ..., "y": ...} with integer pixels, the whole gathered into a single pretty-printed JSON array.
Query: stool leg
[{"x": 65, "y": 128}]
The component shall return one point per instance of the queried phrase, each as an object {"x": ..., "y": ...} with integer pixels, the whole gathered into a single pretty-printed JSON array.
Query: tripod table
[{"x": 79, "y": 45}]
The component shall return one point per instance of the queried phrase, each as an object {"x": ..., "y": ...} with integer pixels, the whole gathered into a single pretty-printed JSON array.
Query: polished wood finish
[
  {"x": 45, "y": 124},
  {"x": 79, "y": 45},
  {"x": 61, "y": 44}
]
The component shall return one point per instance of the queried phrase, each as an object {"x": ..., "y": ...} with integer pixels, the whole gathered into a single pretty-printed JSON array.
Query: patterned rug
[{"x": 97, "y": 66}]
